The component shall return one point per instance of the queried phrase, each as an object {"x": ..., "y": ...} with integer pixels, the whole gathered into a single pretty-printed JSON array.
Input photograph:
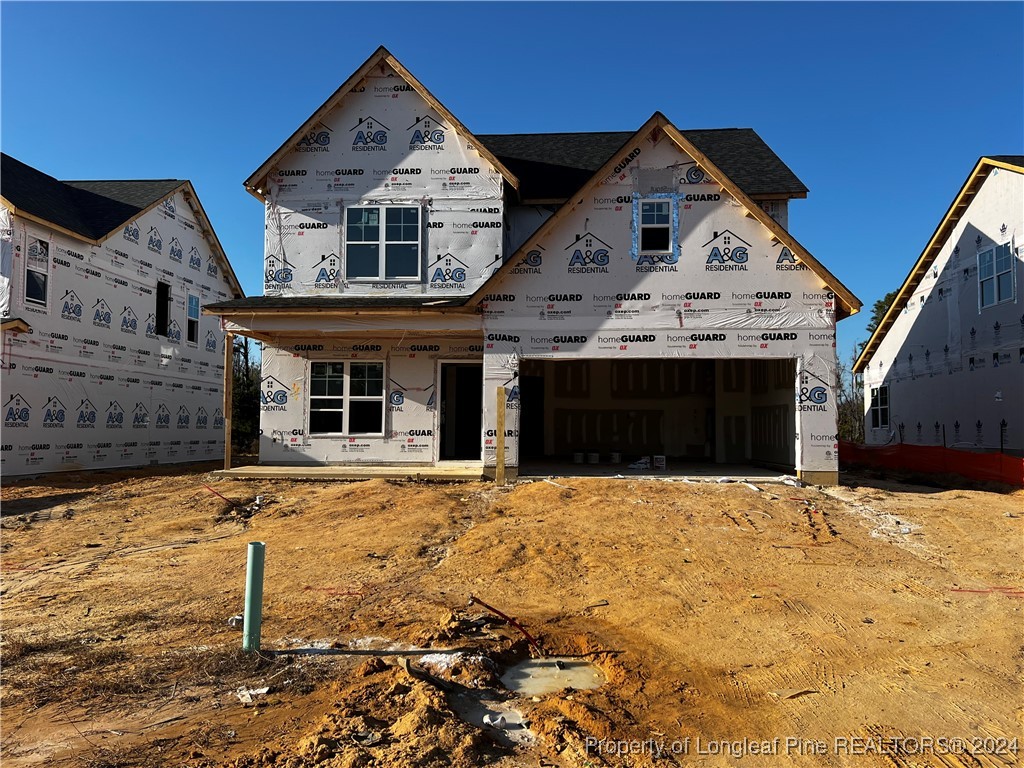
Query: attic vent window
[{"x": 655, "y": 226}]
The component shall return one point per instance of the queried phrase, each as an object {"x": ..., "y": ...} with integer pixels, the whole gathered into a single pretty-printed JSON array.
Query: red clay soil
[{"x": 843, "y": 626}]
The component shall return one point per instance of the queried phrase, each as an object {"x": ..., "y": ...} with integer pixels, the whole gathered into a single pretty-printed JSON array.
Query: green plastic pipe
[{"x": 252, "y": 623}]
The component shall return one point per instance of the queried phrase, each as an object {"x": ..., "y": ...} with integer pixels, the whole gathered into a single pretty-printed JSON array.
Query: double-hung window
[
  {"x": 37, "y": 273},
  {"x": 346, "y": 398},
  {"x": 655, "y": 226},
  {"x": 383, "y": 242},
  {"x": 995, "y": 275},
  {"x": 192, "y": 320},
  {"x": 879, "y": 407}
]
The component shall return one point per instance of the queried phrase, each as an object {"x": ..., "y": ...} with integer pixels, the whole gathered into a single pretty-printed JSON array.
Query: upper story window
[
  {"x": 192, "y": 320},
  {"x": 655, "y": 229},
  {"x": 995, "y": 275},
  {"x": 383, "y": 243},
  {"x": 655, "y": 226},
  {"x": 162, "y": 315},
  {"x": 37, "y": 273},
  {"x": 35, "y": 287}
]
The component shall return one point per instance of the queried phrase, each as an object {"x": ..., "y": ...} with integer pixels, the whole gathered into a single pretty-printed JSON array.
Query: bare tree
[
  {"x": 849, "y": 402},
  {"x": 245, "y": 418}
]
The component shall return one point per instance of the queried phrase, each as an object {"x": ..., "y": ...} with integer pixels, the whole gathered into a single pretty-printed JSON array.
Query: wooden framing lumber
[{"x": 229, "y": 380}]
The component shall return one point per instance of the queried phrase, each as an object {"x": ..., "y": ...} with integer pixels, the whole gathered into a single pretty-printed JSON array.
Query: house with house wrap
[
  {"x": 107, "y": 360},
  {"x": 633, "y": 293},
  {"x": 945, "y": 366}
]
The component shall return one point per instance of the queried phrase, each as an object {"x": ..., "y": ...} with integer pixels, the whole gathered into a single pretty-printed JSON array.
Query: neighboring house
[
  {"x": 946, "y": 364},
  {"x": 107, "y": 361},
  {"x": 627, "y": 291}
]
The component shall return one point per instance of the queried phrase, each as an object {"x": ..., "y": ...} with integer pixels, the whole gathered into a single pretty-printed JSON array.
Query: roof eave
[
  {"x": 250, "y": 312},
  {"x": 144, "y": 211},
  {"x": 22, "y": 214},
  {"x": 210, "y": 235},
  {"x": 953, "y": 214},
  {"x": 14, "y": 325},
  {"x": 848, "y": 302}
]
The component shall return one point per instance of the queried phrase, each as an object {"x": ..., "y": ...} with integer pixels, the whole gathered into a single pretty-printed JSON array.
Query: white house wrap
[
  {"x": 946, "y": 365},
  {"x": 626, "y": 294},
  {"x": 88, "y": 379}
]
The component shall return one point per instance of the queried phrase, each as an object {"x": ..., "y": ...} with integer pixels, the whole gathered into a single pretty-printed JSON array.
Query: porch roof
[
  {"x": 273, "y": 317},
  {"x": 334, "y": 303}
]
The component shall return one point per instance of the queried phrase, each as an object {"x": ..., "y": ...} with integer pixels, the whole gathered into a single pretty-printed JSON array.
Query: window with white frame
[
  {"x": 346, "y": 398},
  {"x": 192, "y": 319},
  {"x": 655, "y": 226},
  {"x": 995, "y": 275},
  {"x": 879, "y": 407},
  {"x": 382, "y": 242}
]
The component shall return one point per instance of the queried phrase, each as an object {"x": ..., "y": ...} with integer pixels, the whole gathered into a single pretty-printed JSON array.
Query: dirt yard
[{"x": 874, "y": 624}]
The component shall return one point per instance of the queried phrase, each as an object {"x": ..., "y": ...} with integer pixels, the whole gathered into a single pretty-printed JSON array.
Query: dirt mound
[{"x": 717, "y": 612}]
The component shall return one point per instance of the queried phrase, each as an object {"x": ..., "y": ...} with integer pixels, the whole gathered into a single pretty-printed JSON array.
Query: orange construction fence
[{"x": 995, "y": 467}]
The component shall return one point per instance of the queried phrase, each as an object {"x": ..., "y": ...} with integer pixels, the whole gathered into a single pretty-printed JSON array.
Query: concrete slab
[
  {"x": 444, "y": 471},
  {"x": 673, "y": 471},
  {"x": 468, "y": 471}
]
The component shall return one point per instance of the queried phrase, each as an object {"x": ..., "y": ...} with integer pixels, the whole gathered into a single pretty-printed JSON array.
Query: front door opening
[{"x": 461, "y": 411}]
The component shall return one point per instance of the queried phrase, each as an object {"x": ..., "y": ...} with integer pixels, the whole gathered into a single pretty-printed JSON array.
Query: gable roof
[
  {"x": 848, "y": 303},
  {"x": 956, "y": 210},
  {"x": 380, "y": 58},
  {"x": 94, "y": 210},
  {"x": 552, "y": 166},
  {"x": 90, "y": 209}
]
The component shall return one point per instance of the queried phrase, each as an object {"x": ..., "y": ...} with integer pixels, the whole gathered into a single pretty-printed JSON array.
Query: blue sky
[{"x": 880, "y": 108}]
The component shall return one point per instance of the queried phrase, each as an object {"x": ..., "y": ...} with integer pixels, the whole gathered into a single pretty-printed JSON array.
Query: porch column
[
  {"x": 817, "y": 444},
  {"x": 229, "y": 380}
]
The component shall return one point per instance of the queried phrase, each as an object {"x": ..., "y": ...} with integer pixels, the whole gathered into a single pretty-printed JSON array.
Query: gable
[
  {"x": 382, "y": 140},
  {"x": 730, "y": 264},
  {"x": 89, "y": 210},
  {"x": 939, "y": 247},
  {"x": 938, "y": 326},
  {"x": 382, "y": 144},
  {"x": 107, "y": 212},
  {"x": 390, "y": 105}
]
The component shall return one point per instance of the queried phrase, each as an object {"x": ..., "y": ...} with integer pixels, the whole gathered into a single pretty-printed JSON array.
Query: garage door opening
[{"x": 689, "y": 411}]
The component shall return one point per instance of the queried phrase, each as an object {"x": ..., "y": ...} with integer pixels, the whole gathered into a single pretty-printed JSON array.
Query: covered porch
[{"x": 361, "y": 387}]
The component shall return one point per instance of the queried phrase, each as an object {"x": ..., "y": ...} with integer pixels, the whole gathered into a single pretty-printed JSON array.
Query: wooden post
[
  {"x": 499, "y": 452},
  {"x": 229, "y": 380}
]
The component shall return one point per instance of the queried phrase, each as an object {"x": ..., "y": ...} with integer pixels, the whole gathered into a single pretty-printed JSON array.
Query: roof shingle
[
  {"x": 92, "y": 209},
  {"x": 555, "y": 165}
]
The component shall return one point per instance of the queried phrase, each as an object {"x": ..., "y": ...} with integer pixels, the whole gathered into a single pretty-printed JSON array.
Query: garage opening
[{"x": 689, "y": 411}]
